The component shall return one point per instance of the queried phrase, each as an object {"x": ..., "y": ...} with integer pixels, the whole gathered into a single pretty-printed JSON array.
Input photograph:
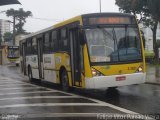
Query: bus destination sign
[{"x": 110, "y": 20}]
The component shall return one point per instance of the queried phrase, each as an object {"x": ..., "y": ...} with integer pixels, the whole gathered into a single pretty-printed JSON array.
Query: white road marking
[
  {"x": 156, "y": 90},
  {"x": 20, "y": 88},
  {"x": 105, "y": 104},
  {"x": 100, "y": 103},
  {"x": 63, "y": 104},
  {"x": 45, "y": 115},
  {"x": 29, "y": 92},
  {"x": 2, "y": 80},
  {"x": 49, "y": 104},
  {"x": 97, "y": 115},
  {"x": 18, "y": 84},
  {"x": 4, "y": 83},
  {"x": 40, "y": 97}
]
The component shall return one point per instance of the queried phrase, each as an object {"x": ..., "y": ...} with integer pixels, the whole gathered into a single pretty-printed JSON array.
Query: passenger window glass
[
  {"x": 64, "y": 40},
  {"x": 63, "y": 33},
  {"x": 34, "y": 45},
  {"x": 46, "y": 43},
  {"x": 53, "y": 41}
]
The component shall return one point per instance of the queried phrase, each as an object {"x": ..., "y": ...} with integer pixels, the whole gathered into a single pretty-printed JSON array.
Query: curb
[{"x": 152, "y": 83}]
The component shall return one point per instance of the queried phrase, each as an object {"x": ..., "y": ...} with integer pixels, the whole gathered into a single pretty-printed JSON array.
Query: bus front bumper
[{"x": 115, "y": 80}]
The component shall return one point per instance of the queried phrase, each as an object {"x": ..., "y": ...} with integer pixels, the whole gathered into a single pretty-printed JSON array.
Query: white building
[
  {"x": 148, "y": 34},
  {"x": 4, "y": 27},
  {"x": 18, "y": 38}
]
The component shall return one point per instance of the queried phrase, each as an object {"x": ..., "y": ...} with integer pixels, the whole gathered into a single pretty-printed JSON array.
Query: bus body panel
[
  {"x": 111, "y": 81},
  {"x": 32, "y": 61},
  {"x": 62, "y": 60},
  {"x": 117, "y": 74},
  {"x": 49, "y": 67},
  {"x": 108, "y": 70},
  {"x": 13, "y": 55}
]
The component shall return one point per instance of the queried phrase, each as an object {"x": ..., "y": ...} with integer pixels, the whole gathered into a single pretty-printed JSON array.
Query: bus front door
[
  {"x": 40, "y": 57},
  {"x": 75, "y": 57}
]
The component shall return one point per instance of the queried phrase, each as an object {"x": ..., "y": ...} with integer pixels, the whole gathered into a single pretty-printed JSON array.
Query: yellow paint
[
  {"x": 143, "y": 51},
  {"x": 118, "y": 69},
  {"x": 87, "y": 67},
  {"x": 83, "y": 81},
  {"x": 13, "y": 59},
  {"x": 63, "y": 60},
  {"x": 78, "y": 18}
]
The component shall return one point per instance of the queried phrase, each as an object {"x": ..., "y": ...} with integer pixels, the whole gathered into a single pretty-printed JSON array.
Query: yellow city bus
[
  {"x": 13, "y": 55},
  {"x": 91, "y": 51}
]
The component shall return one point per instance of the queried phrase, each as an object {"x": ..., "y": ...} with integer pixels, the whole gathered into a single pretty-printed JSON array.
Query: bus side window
[
  {"x": 64, "y": 40},
  {"x": 29, "y": 45},
  {"x": 46, "y": 43},
  {"x": 54, "y": 41},
  {"x": 34, "y": 45}
]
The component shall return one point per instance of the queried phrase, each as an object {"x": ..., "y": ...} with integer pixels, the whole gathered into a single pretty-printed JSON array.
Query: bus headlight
[
  {"x": 140, "y": 69},
  {"x": 96, "y": 73}
]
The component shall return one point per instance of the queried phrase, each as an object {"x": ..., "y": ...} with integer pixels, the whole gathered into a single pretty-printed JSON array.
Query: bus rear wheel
[{"x": 64, "y": 81}]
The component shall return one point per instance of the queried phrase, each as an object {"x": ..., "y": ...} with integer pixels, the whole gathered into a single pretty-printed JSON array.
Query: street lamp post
[
  {"x": 14, "y": 29},
  {"x": 100, "y": 5}
]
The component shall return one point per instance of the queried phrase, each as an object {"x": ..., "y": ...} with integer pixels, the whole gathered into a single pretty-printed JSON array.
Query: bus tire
[
  {"x": 30, "y": 74},
  {"x": 112, "y": 88},
  {"x": 64, "y": 80}
]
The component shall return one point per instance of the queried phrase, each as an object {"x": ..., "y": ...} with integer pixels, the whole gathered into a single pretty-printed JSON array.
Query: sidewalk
[{"x": 153, "y": 74}]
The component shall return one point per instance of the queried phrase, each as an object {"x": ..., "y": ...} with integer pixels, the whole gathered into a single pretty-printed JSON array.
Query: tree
[
  {"x": 8, "y": 36},
  {"x": 149, "y": 11},
  {"x": 20, "y": 15},
  {"x": 131, "y": 6},
  {"x": 154, "y": 9}
]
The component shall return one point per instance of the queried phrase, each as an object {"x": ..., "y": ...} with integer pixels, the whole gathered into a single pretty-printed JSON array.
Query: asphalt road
[{"x": 23, "y": 100}]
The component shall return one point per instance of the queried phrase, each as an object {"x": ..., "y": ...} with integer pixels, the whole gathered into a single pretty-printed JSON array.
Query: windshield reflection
[{"x": 114, "y": 44}]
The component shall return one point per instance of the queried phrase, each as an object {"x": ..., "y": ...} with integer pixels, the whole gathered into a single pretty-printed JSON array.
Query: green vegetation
[
  {"x": 20, "y": 15},
  {"x": 149, "y": 12},
  {"x": 8, "y": 36}
]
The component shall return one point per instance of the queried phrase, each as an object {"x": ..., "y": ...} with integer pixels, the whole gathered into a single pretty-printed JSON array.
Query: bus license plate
[{"x": 121, "y": 78}]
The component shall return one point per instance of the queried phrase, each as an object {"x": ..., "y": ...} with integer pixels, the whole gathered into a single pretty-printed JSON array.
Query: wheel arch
[{"x": 62, "y": 68}]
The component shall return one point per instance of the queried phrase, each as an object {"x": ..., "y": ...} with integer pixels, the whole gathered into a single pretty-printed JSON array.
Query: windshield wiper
[{"x": 106, "y": 33}]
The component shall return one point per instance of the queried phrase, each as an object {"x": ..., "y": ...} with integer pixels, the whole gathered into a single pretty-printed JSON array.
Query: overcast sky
[{"x": 52, "y": 11}]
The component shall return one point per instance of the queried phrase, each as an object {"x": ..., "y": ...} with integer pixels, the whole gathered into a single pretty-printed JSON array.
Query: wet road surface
[
  {"x": 23, "y": 100},
  {"x": 30, "y": 101}
]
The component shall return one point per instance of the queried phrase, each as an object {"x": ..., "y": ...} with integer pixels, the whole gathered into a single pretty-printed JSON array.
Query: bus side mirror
[{"x": 82, "y": 38}]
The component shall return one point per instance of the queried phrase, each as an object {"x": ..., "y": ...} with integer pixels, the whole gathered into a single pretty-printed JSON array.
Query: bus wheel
[
  {"x": 64, "y": 81},
  {"x": 30, "y": 75},
  {"x": 112, "y": 88}
]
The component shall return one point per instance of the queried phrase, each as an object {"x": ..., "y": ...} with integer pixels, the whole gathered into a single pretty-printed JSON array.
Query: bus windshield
[
  {"x": 13, "y": 53},
  {"x": 114, "y": 44}
]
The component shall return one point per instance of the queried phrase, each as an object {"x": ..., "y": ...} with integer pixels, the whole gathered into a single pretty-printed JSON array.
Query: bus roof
[
  {"x": 74, "y": 19},
  {"x": 106, "y": 14}
]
